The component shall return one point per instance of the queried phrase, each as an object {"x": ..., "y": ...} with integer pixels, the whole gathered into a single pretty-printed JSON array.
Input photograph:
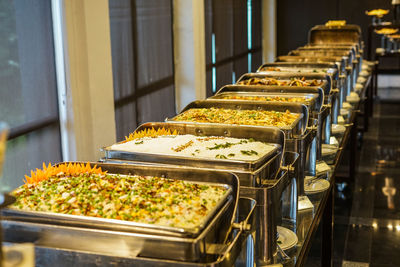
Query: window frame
[
  {"x": 211, "y": 67},
  {"x": 155, "y": 86}
]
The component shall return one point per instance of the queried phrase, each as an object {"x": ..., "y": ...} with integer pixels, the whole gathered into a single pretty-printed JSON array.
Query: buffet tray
[
  {"x": 355, "y": 59},
  {"x": 60, "y": 245},
  {"x": 187, "y": 245},
  {"x": 301, "y": 67},
  {"x": 321, "y": 113},
  {"x": 298, "y": 65},
  {"x": 351, "y": 50},
  {"x": 270, "y": 136},
  {"x": 122, "y": 225},
  {"x": 341, "y": 63},
  {"x": 286, "y": 76},
  {"x": 355, "y": 47},
  {"x": 310, "y": 52},
  {"x": 347, "y": 34},
  {"x": 314, "y": 102},
  {"x": 357, "y": 51},
  {"x": 250, "y": 173},
  {"x": 297, "y": 128},
  {"x": 330, "y": 68}
]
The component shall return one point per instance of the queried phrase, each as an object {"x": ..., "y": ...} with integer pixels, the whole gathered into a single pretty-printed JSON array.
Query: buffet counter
[{"x": 243, "y": 178}]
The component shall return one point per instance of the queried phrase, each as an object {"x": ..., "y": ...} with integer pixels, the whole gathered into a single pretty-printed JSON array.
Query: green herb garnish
[
  {"x": 226, "y": 145},
  {"x": 249, "y": 152}
]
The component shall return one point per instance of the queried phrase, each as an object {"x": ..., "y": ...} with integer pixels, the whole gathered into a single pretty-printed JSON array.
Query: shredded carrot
[
  {"x": 149, "y": 133},
  {"x": 67, "y": 169}
]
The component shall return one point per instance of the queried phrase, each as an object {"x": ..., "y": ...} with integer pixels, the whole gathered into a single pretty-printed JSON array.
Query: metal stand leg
[
  {"x": 372, "y": 92},
  {"x": 327, "y": 231},
  {"x": 375, "y": 76},
  {"x": 353, "y": 149},
  {"x": 367, "y": 108}
]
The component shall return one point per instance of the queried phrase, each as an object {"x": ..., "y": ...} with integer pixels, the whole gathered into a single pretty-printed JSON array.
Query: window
[
  {"x": 28, "y": 96},
  {"x": 233, "y": 40},
  {"x": 142, "y": 58}
]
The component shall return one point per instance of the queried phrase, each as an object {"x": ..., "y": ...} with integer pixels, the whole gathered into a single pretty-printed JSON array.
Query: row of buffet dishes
[{"x": 232, "y": 171}]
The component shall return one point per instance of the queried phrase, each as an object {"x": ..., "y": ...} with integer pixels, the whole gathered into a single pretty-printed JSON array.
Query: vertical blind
[
  {"x": 28, "y": 96},
  {"x": 233, "y": 40},
  {"x": 142, "y": 59}
]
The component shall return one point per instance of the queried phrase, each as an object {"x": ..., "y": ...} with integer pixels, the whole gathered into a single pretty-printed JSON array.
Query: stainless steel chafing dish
[
  {"x": 304, "y": 67},
  {"x": 314, "y": 102},
  {"x": 65, "y": 231},
  {"x": 324, "y": 52},
  {"x": 337, "y": 35},
  {"x": 347, "y": 34},
  {"x": 326, "y": 80},
  {"x": 355, "y": 47},
  {"x": 349, "y": 49},
  {"x": 314, "y": 96},
  {"x": 339, "y": 61},
  {"x": 346, "y": 56},
  {"x": 268, "y": 182},
  {"x": 59, "y": 245},
  {"x": 299, "y": 138},
  {"x": 344, "y": 78},
  {"x": 331, "y": 97},
  {"x": 297, "y": 128},
  {"x": 249, "y": 173},
  {"x": 351, "y": 62},
  {"x": 355, "y": 51}
]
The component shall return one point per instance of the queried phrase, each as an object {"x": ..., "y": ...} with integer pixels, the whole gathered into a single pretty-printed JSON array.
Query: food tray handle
[
  {"x": 246, "y": 223},
  {"x": 290, "y": 163}
]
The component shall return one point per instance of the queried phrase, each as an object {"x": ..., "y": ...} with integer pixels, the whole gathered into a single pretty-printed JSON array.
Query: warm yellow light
[
  {"x": 390, "y": 227},
  {"x": 397, "y": 227},
  {"x": 375, "y": 225}
]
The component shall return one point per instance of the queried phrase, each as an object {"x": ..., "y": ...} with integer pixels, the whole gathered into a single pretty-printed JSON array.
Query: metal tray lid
[
  {"x": 325, "y": 52},
  {"x": 339, "y": 61},
  {"x": 316, "y": 94},
  {"x": 310, "y": 99},
  {"x": 346, "y": 55},
  {"x": 326, "y": 79},
  {"x": 347, "y": 27},
  {"x": 298, "y": 128},
  {"x": 320, "y": 53},
  {"x": 354, "y": 47},
  {"x": 335, "y": 34},
  {"x": 331, "y": 68}
]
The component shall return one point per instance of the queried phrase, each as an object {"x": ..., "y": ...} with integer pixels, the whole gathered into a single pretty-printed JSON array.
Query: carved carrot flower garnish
[
  {"x": 149, "y": 133},
  {"x": 64, "y": 169}
]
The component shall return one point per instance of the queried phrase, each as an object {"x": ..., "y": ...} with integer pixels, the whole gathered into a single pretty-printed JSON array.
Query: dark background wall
[{"x": 295, "y": 18}]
